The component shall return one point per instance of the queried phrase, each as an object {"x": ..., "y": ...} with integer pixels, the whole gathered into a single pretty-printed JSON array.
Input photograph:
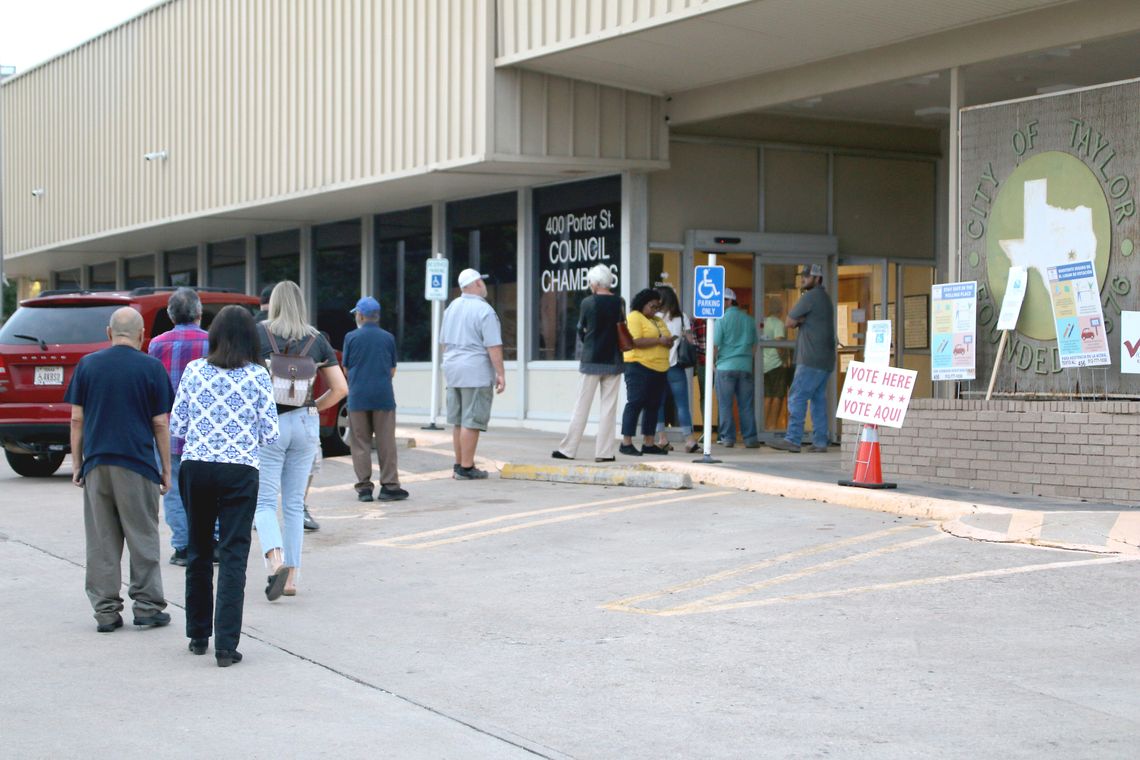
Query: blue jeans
[
  {"x": 285, "y": 467},
  {"x": 736, "y": 384},
  {"x": 808, "y": 385},
  {"x": 643, "y": 389},
  {"x": 677, "y": 389},
  {"x": 173, "y": 510}
]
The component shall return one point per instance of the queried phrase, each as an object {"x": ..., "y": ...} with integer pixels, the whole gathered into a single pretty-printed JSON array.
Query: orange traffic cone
[{"x": 868, "y": 468}]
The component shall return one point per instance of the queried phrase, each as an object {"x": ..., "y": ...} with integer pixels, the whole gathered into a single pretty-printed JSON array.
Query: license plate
[{"x": 49, "y": 376}]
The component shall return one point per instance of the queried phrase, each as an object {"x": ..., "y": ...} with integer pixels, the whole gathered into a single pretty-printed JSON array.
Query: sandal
[
  {"x": 693, "y": 448},
  {"x": 276, "y": 585}
]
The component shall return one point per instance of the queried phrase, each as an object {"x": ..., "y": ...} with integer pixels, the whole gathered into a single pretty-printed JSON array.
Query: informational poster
[
  {"x": 1081, "y": 338},
  {"x": 877, "y": 349},
  {"x": 876, "y": 395},
  {"x": 1130, "y": 342},
  {"x": 953, "y": 330},
  {"x": 1014, "y": 296}
]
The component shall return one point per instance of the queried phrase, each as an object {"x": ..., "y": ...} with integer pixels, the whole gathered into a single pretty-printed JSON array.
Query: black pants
[
  {"x": 643, "y": 390},
  {"x": 226, "y": 493}
]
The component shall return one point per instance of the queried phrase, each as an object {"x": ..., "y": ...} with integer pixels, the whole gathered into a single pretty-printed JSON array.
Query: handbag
[
  {"x": 624, "y": 339},
  {"x": 686, "y": 350}
]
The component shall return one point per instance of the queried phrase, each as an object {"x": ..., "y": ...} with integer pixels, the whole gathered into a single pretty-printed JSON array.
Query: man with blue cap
[{"x": 370, "y": 357}]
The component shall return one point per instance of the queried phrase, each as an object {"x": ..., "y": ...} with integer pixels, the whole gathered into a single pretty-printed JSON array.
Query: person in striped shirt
[{"x": 176, "y": 348}]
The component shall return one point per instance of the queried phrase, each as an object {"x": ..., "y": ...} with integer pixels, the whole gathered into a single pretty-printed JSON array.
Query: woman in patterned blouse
[{"x": 225, "y": 412}]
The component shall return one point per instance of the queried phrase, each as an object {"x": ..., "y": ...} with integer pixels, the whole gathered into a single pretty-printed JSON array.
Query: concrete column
[
  {"x": 525, "y": 268},
  {"x": 203, "y": 264},
  {"x": 306, "y": 270},
  {"x": 634, "y": 234},
  {"x": 251, "y": 264},
  {"x": 159, "y": 269},
  {"x": 957, "y": 93},
  {"x": 120, "y": 273},
  {"x": 368, "y": 255}
]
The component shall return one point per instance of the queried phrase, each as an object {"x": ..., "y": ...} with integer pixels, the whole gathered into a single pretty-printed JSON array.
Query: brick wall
[{"x": 1076, "y": 449}]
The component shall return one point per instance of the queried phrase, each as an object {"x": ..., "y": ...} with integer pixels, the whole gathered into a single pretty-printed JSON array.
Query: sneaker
[
  {"x": 157, "y": 620},
  {"x": 111, "y": 626},
  {"x": 364, "y": 496},
  {"x": 726, "y": 444},
  {"x": 818, "y": 449},
  {"x": 309, "y": 523},
  {"x": 179, "y": 557},
  {"x": 556, "y": 454},
  {"x": 653, "y": 449},
  {"x": 392, "y": 494},
  {"x": 470, "y": 473},
  {"x": 783, "y": 444},
  {"x": 629, "y": 450},
  {"x": 754, "y": 445}
]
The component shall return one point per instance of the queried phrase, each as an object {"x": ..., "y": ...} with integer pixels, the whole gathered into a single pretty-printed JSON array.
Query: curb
[{"x": 637, "y": 477}]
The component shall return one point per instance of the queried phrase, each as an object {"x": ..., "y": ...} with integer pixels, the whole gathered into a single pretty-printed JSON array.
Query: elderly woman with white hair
[{"x": 600, "y": 368}]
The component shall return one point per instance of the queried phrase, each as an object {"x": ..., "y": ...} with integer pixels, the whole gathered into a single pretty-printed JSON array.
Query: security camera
[
  {"x": 36, "y": 193},
  {"x": 158, "y": 155}
]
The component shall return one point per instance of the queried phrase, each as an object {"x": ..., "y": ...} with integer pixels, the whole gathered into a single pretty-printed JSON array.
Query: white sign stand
[
  {"x": 437, "y": 295},
  {"x": 1015, "y": 287},
  {"x": 710, "y": 342}
]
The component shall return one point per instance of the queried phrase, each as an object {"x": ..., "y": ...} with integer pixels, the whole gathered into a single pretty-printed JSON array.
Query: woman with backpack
[
  {"x": 679, "y": 378},
  {"x": 295, "y": 351},
  {"x": 224, "y": 411}
]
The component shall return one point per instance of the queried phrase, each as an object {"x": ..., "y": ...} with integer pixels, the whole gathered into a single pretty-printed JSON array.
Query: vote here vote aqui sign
[{"x": 876, "y": 395}]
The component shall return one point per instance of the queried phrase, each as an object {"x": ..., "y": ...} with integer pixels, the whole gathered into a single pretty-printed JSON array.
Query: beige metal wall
[
  {"x": 547, "y": 118},
  {"x": 253, "y": 100},
  {"x": 528, "y": 28}
]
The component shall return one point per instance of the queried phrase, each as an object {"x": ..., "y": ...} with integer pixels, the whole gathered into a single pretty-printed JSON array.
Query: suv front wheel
[{"x": 34, "y": 465}]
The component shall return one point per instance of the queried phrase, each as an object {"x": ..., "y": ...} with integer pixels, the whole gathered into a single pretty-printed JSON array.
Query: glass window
[
  {"x": 337, "y": 263},
  {"x": 182, "y": 267},
  {"x": 226, "y": 265},
  {"x": 58, "y": 324},
  {"x": 577, "y": 225},
  {"x": 102, "y": 277},
  {"x": 482, "y": 233},
  {"x": 68, "y": 279},
  {"x": 403, "y": 244},
  {"x": 278, "y": 258},
  {"x": 140, "y": 272}
]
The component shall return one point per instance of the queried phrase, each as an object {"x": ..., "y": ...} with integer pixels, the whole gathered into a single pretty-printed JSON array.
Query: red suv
[{"x": 40, "y": 345}]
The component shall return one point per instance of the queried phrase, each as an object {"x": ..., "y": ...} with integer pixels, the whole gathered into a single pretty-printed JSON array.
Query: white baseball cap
[
  {"x": 468, "y": 276},
  {"x": 729, "y": 294}
]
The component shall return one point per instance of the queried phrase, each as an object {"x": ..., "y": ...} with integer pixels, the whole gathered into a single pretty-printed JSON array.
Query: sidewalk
[{"x": 985, "y": 516}]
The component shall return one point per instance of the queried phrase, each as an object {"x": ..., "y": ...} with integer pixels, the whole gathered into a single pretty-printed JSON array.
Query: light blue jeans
[
  {"x": 808, "y": 386},
  {"x": 736, "y": 384},
  {"x": 285, "y": 467},
  {"x": 173, "y": 510}
]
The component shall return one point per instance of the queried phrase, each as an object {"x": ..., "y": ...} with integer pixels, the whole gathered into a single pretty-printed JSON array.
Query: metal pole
[
  {"x": 710, "y": 342},
  {"x": 436, "y": 319}
]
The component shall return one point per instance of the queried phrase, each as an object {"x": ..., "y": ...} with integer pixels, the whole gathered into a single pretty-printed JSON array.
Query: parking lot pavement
[{"x": 513, "y": 618}]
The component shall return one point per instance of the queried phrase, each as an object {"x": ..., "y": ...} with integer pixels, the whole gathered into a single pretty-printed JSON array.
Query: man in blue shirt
[
  {"x": 120, "y": 409},
  {"x": 370, "y": 357}
]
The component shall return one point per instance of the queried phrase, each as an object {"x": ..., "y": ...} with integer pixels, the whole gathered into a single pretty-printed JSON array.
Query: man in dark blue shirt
[
  {"x": 370, "y": 358},
  {"x": 120, "y": 409}
]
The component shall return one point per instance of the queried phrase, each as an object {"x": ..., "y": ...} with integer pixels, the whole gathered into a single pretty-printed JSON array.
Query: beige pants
[
  {"x": 382, "y": 426},
  {"x": 606, "y": 443},
  {"x": 121, "y": 505}
]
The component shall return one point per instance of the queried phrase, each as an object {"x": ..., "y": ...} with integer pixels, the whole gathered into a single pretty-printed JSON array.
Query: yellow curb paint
[
  {"x": 1025, "y": 526},
  {"x": 725, "y": 574},
  {"x": 902, "y": 584},
  {"x": 1125, "y": 534},
  {"x": 546, "y": 521}
]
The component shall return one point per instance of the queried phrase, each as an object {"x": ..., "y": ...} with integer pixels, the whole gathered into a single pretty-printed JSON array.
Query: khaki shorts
[{"x": 469, "y": 407}]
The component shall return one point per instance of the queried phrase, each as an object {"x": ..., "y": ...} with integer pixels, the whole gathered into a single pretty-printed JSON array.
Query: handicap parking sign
[
  {"x": 435, "y": 283},
  {"x": 708, "y": 292}
]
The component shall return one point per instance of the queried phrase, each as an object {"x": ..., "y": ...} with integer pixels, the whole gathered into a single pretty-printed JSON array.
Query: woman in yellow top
[{"x": 645, "y": 372}]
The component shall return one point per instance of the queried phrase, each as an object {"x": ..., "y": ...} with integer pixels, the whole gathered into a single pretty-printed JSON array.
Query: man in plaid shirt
[{"x": 175, "y": 349}]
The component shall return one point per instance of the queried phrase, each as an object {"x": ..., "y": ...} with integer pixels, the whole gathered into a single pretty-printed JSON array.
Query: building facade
[{"x": 342, "y": 143}]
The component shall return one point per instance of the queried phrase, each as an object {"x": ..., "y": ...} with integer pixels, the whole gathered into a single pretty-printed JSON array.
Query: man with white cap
[
  {"x": 814, "y": 317},
  {"x": 735, "y": 346},
  {"x": 472, "y": 342},
  {"x": 370, "y": 357}
]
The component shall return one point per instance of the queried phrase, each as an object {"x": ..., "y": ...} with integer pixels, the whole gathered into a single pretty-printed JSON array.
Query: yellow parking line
[
  {"x": 892, "y": 586},
  {"x": 797, "y": 554},
  {"x": 717, "y": 601},
  {"x": 639, "y": 502}
]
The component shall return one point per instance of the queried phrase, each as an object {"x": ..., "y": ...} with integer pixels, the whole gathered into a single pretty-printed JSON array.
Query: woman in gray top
[{"x": 600, "y": 368}]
